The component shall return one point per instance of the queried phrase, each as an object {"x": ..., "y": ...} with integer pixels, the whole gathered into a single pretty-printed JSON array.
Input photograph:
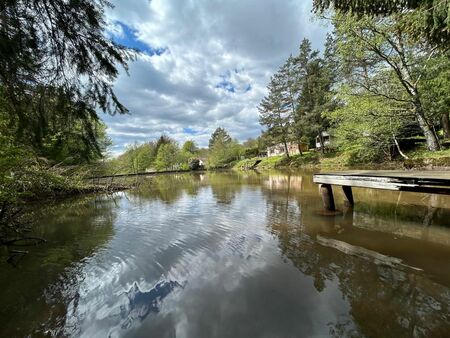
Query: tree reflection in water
[
  {"x": 387, "y": 296},
  {"x": 42, "y": 287},
  {"x": 251, "y": 250}
]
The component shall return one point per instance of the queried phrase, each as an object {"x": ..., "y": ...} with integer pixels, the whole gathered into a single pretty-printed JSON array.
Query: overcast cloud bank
[{"x": 204, "y": 64}]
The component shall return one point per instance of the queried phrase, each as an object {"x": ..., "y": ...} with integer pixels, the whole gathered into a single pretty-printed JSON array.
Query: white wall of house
[
  {"x": 279, "y": 150},
  {"x": 326, "y": 140}
]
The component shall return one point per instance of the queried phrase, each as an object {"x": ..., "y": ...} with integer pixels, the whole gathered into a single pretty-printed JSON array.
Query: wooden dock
[{"x": 432, "y": 182}]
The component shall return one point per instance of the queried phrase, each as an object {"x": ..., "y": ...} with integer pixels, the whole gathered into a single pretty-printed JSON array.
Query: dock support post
[
  {"x": 348, "y": 201},
  {"x": 327, "y": 197}
]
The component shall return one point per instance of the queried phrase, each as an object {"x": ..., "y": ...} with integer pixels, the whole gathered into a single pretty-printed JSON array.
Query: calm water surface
[{"x": 233, "y": 255}]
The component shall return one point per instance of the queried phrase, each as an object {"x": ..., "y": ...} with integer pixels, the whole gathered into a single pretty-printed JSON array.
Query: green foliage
[
  {"x": 266, "y": 163},
  {"x": 57, "y": 68},
  {"x": 435, "y": 89},
  {"x": 163, "y": 139},
  {"x": 168, "y": 157},
  {"x": 275, "y": 113},
  {"x": 222, "y": 149},
  {"x": 189, "y": 147},
  {"x": 221, "y": 154},
  {"x": 299, "y": 93},
  {"x": 376, "y": 84},
  {"x": 365, "y": 126},
  {"x": 162, "y": 154},
  {"x": 56, "y": 71},
  {"x": 219, "y": 137},
  {"x": 316, "y": 97},
  {"x": 24, "y": 176},
  {"x": 136, "y": 158},
  {"x": 383, "y": 60},
  {"x": 432, "y": 16}
]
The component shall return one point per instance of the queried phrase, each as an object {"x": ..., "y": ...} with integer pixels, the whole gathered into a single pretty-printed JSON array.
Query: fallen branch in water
[
  {"x": 16, "y": 241},
  {"x": 16, "y": 256}
]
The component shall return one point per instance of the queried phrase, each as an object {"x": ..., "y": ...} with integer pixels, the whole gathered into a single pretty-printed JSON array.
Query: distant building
[
  {"x": 326, "y": 140},
  {"x": 279, "y": 149}
]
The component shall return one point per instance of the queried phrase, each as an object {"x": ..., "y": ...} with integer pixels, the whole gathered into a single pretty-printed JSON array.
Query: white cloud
[{"x": 219, "y": 57}]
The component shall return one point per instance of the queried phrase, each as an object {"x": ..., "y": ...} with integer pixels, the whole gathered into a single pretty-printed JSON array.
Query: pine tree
[
  {"x": 275, "y": 113},
  {"x": 219, "y": 137},
  {"x": 433, "y": 18},
  {"x": 317, "y": 78},
  {"x": 57, "y": 62}
]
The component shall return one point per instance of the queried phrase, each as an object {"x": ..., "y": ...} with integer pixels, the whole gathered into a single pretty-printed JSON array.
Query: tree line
[
  {"x": 375, "y": 85},
  {"x": 165, "y": 153},
  {"x": 162, "y": 154}
]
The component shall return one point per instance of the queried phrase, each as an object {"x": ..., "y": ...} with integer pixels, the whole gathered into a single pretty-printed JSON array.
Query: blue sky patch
[
  {"x": 225, "y": 83},
  {"x": 190, "y": 131},
  {"x": 130, "y": 40}
]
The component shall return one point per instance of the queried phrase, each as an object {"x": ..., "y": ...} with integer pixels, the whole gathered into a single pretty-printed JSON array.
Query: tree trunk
[
  {"x": 430, "y": 136},
  {"x": 300, "y": 149},
  {"x": 398, "y": 147},
  {"x": 286, "y": 149},
  {"x": 445, "y": 125}
]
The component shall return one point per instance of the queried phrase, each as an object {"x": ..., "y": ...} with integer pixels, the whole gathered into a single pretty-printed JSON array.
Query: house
[
  {"x": 279, "y": 149},
  {"x": 326, "y": 137}
]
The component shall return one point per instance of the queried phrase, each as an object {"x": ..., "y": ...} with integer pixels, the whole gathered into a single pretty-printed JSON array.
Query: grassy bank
[{"x": 417, "y": 159}]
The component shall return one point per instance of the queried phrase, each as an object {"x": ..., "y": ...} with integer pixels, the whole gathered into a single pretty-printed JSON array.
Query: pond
[{"x": 233, "y": 255}]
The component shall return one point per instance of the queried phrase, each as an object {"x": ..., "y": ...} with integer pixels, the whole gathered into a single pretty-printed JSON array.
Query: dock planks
[
  {"x": 433, "y": 182},
  {"x": 436, "y": 182}
]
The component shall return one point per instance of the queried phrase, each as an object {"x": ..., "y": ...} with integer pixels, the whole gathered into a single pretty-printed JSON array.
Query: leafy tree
[
  {"x": 435, "y": 89},
  {"x": 168, "y": 156},
  {"x": 136, "y": 158},
  {"x": 250, "y": 143},
  {"x": 223, "y": 153},
  {"x": 367, "y": 126},
  {"x": 73, "y": 146},
  {"x": 163, "y": 139},
  {"x": 383, "y": 60},
  {"x": 250, "y": 147},
  {"x": 302, "y": 65},
  {"x": 189, "y": 147},
  {"x": 222, "y": 149},
  {"x": 263, "y": 141},
  {"x": 432, "y": 15}
]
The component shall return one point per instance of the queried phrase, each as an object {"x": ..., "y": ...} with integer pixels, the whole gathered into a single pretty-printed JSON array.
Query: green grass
[
  {"x": 266, "y": 162},
  {"x": 418, "y": 158},
  {"x": 295, "y": 161},
  {"x": 422, "y": 158},
  {"x": 423, "y": 153}
]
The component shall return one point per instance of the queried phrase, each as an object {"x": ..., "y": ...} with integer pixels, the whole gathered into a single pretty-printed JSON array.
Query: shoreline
[{"x": 336, "y": 162}]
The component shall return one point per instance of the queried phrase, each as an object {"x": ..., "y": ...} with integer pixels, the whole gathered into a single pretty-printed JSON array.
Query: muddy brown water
[{"x": 233, "y": 255}]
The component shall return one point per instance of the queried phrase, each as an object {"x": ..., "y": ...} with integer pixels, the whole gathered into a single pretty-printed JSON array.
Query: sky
[{"x": 203, "y": 64}]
